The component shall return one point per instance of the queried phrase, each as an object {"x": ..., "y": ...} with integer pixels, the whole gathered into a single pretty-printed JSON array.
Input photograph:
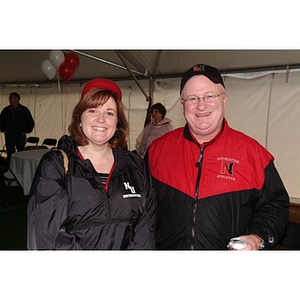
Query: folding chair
[
  {"x": 49, "y": 142},
  {"x": 3, "y": 150},
  {"x": 32, "y": 141},
  {"x": 8, "y": 178}
]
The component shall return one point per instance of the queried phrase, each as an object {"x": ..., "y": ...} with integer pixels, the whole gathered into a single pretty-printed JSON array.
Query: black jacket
[
  {"x": 16, "y": 121},
  {"x": 208, "y": 195},
  {"x": 75, "y": 212}
]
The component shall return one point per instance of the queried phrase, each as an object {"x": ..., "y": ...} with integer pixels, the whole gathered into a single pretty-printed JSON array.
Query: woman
[
  {"x": 155, "y": 129},
  {"x": 105, "y": 201}
]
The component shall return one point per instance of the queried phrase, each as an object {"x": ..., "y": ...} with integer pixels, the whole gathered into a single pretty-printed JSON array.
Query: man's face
[
  {"x": 13, "y": 100},
  {"x": 203, "y": 117}
]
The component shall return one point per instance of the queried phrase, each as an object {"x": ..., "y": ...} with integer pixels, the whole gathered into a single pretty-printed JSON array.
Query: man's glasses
[{"x": 207, "y": 98}]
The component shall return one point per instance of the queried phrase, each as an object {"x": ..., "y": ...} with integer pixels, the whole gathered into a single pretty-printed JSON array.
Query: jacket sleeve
[
  {"x": 29, "y": 121},
  {"x": 271, "y": 212},
  {"x": 144, "y": 235},
  {"x": 3, "y": 120},
  {"x": 47, "y": 211}
]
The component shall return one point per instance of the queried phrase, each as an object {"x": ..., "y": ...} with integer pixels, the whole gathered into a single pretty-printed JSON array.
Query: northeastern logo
[
  {"x": 133, "y": 193},
  {"x": 227, "y": 167},
  {"x": 200, "y": 68}
]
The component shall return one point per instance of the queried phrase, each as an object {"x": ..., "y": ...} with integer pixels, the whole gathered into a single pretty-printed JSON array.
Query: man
[
  {"x": 214, "y": 183},
  {"x": 15, "y": 121}
]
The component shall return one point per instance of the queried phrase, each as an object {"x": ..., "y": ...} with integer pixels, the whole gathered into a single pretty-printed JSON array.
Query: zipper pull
[{"x": 199, "y": 162}]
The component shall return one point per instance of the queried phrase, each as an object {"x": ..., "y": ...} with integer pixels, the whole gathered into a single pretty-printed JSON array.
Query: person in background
[
  {"x": 214, "y": 183},
  {"x": 15, "y": 121},
  {"x": 155, "y": 129},
  {"x": 105, "y": 201}
]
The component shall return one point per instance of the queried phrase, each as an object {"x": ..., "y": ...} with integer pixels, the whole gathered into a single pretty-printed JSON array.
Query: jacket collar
[
  {"x": 188, "y": 135},
  {"x": 68, "y": 144},
  {"x": 164, "y": 121}
]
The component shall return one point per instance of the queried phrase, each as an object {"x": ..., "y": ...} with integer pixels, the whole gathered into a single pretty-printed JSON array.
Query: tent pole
[
  {"x": 130, "y": 58},
  {"x": 150, "y": 102},
  {"x": 148, "y": 98},
  {"x": 133, "y": 76},
  {"x": 104, "y": 61},
  {"x": 157, "y": 63}
]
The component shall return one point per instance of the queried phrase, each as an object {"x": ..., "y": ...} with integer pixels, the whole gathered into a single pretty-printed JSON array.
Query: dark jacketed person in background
[{"x": 15, "y": 122}]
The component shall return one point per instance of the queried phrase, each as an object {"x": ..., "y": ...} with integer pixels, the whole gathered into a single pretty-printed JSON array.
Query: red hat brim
[{"x": 102, "y": 83}]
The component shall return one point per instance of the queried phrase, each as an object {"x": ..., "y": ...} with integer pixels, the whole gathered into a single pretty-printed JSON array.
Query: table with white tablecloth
[{"x": 24, "y": 164}]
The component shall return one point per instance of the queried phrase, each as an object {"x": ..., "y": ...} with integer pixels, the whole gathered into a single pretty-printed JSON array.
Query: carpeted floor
[{"x": 13, "y": 219}]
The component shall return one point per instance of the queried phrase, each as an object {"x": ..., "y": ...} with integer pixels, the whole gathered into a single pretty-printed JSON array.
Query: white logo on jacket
[{"x": 132, "y": 189}]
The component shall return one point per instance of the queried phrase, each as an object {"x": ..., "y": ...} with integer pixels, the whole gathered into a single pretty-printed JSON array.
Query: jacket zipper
[{"x": 195, "y": 202}]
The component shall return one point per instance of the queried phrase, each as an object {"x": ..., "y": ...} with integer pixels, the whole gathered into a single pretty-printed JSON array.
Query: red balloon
[
  {"x": 66, "y": 72},
  {"x": 72, "y": 60}
]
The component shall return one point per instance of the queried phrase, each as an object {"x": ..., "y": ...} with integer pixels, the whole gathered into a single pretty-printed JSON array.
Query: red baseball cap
[{"x": 102, "y": 83}]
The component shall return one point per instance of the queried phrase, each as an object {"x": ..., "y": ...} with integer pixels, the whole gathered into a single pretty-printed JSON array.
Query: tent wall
[
  {"x": 268, "y": 109},
  {"x": 265, "y": 107}
]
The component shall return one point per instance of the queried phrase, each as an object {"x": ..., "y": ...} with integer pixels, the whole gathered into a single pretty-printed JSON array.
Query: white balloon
[
  {"x": 48, "y": 69},
  {"x": 56, "y": 57}
]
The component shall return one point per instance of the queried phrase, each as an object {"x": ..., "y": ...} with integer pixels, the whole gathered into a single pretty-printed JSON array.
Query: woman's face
[
  {"x": 156, "y": 116},
  {"x": 100, "y": 124}
]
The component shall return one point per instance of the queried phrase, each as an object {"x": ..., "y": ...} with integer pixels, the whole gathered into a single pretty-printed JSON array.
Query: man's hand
[{"x": 253, "y": 241}]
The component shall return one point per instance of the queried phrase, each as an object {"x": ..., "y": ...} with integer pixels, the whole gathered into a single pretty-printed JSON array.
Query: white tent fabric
[{"x": 266, "y": 107}]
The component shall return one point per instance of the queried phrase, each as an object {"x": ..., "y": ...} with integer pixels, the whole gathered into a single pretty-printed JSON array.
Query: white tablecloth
[{"x": 24, "y": 165}]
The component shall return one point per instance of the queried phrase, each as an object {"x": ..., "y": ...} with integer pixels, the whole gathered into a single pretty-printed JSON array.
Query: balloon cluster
[{"x": 65, "y": 65}]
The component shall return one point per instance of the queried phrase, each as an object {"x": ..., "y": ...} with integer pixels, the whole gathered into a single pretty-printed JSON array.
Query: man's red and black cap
[{"x": 210, "y": 72}]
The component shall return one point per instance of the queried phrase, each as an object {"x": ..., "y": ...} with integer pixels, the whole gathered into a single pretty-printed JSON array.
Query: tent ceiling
[{"x": 24, "y": 66}]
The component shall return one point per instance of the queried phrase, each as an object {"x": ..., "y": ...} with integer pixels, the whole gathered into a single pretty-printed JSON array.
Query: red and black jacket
[{"x": 208, "y": 195}]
